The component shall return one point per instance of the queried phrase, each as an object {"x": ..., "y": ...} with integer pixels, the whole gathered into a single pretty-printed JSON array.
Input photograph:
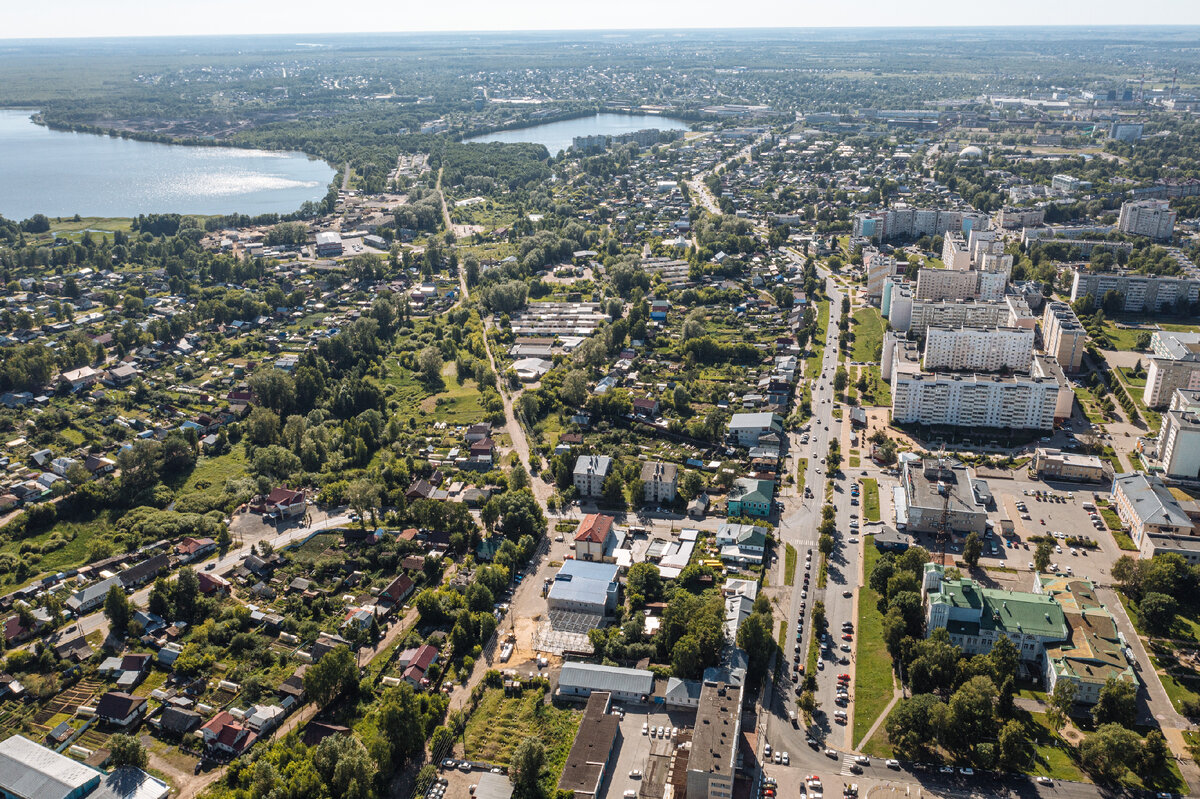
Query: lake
[
  {"x": 557, "y": 136},
  {"x": 59, "y": 173}
]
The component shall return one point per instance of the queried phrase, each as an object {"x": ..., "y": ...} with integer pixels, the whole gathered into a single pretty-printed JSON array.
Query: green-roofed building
[
  {"x": 1061, "y": 629},
  {"x": 976, "y": 617}
]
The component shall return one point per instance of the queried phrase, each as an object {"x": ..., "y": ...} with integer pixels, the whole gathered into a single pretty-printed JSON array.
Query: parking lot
[{"x": 646, "y": 755}]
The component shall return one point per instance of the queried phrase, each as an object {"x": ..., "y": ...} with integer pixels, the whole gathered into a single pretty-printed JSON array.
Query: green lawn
[
  {"x": 801, "y": 474},
  {"x": 213, "y": 472},
  {"x": 812, "y": 367},
  {"x": 1055, "y": 757},
  {"x": 878, "y": 392},
  {"x": 868, "y": 327},
  {"x": 789, "y": 565},
  {"x": 873, "y": 673},
  {"x": 870, "y": 499},
  {"x": 1114, "y": 525}
]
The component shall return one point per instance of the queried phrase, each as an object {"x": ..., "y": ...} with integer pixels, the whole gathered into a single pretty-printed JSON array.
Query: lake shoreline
[{"x": 106, "y": 173}]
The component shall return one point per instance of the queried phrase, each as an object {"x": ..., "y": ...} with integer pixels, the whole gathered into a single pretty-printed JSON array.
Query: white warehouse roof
[
  {"x": 31, "y": 771},
  {"x": 614, "y": 679}
]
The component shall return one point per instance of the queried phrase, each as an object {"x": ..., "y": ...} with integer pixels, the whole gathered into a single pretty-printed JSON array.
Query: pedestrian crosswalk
[{"x": 847, "y": 762}]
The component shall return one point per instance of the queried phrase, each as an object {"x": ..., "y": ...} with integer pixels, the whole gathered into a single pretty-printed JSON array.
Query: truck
[{"x": 792, "y": 716}]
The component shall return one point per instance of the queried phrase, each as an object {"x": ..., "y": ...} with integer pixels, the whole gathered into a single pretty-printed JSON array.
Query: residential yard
[
  {"x": 870, "y": 499},
  {"x": 868, "y": 327},
  {"x": 877, "y": 392},
  {"x": 873, "y": 674}
]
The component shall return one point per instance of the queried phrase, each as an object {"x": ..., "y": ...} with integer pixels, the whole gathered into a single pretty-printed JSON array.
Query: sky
[{"x": 86, "y": 18}]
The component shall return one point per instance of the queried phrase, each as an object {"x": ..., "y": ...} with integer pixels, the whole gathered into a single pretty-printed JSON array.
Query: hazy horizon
[{"x": 85, "y": 19}]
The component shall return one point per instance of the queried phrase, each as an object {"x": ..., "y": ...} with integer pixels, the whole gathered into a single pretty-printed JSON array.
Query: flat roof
[
  {"x": 715, "y": 740},
  {"x": 598, "y": 730}
]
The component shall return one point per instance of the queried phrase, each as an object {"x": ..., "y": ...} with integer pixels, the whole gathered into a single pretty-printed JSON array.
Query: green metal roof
[{"x": 1006, "y": 611}]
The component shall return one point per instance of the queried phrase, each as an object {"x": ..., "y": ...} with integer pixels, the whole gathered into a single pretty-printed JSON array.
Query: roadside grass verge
[
  {"x": 873, "y": 672},
  {"x": 789, "y": 565},
  {"x": 870, "y": 499}
]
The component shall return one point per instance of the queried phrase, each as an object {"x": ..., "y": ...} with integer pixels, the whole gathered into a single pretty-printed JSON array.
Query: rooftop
[
  {"x": 1150, "y": 500},
  {"x": 598, "y": 731},
  {"x": 715, "y": 740},
  {"x": 31, "y": 771}
]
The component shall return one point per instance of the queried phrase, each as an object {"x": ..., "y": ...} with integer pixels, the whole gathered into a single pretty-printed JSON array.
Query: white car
[
  {"x": 778, "y": 757},
  {"x": 1045, "y": 781},
  {"x": 862, "y": 760},
  {"x": 635, "y": 774},
  {"x": 893, "y": 764},
  {"x": 646, "y": 729},
  {"x": 786, "y": 760}
]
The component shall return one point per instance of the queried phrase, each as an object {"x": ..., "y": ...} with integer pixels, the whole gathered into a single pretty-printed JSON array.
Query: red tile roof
[{"x": 594, "y": 528}]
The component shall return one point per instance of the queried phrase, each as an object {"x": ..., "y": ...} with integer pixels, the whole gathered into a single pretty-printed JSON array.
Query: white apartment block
[
  {"x": 954, "y": 313},
  {"x": 974, "y": 349},
  {"x": 1142, "y": 293},
  {"x": 1063, "y": 337},
  {"x": 955, "y": 254},
  {"x": 1069, "y": 184},
  {"x": 896, "y": 305},
  {"x": 990, "y": 285},
  {"x": 975, "y": 401},
  {"x": 946, "y": 284},
  {"x": 879, "y": 268},
  {"x": 1179, "y": 444},
  {"x": 1166, "y": 375},
  {"x": 904, "y": 222},
  {"x": 1151, "y": 218},
  {"x": 1017, "y": 218},
  {"x": 1170, "y": 344}
]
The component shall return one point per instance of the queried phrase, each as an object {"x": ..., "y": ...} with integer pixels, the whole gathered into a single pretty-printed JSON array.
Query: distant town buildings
[{"x": 902, "y": 221}]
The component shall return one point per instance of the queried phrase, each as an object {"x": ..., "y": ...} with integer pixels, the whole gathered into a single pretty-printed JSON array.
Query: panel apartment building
[
  {"x": 975, "y": 349},
  {"x": 1179, "y": 439},
  {"x": 1063, "y": 337},
  {"x": 1151, "y": 218},
  {"x": 1141, "y": 293},
  {"x": 1028, "y": 400},
  {"x": 902, "y": 221},
  {"x": 1175, "y": 365}
]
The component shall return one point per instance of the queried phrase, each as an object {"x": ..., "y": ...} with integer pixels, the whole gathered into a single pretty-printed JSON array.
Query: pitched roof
[
  {"x": 594, "y": 528},
  {"x": 30, "y": 770},
  {"x": 118, "y": 705}
]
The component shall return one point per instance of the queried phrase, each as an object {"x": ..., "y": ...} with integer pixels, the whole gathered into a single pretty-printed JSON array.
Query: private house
[
  {"x": 741, "y": 543},
  {"x": 194, "y": 549},
  {"x": 746, "y": 428},
  {"x": 416, "y": 666},
  {"x": 120, "y": 709},
  {"x": 283, "y": 502},
  {"x": 80, "y": 378},
  {"x": 594, "y": 539},
  {"x": 223, "y": 734},
  {"x": 90, "y": 597}
]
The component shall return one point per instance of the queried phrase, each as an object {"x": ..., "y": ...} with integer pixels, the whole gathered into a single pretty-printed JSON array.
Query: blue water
[
  {"x": 557, "y": 136},
  {"x": 60, "y": 174}
]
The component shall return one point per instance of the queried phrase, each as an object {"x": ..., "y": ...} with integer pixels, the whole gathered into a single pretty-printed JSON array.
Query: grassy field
[
  {"x": 868, "y": 327},
  {"x": 69, "y": 228},
  {"x": 789, "y": 565},
  {"x": 213, "y": 472},
  {"x": 1054, "y": 755},
  {"x": 870, "y": 499},
  {"x": 873, "y": 673},
  {"x": 500, "y": 723}
]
